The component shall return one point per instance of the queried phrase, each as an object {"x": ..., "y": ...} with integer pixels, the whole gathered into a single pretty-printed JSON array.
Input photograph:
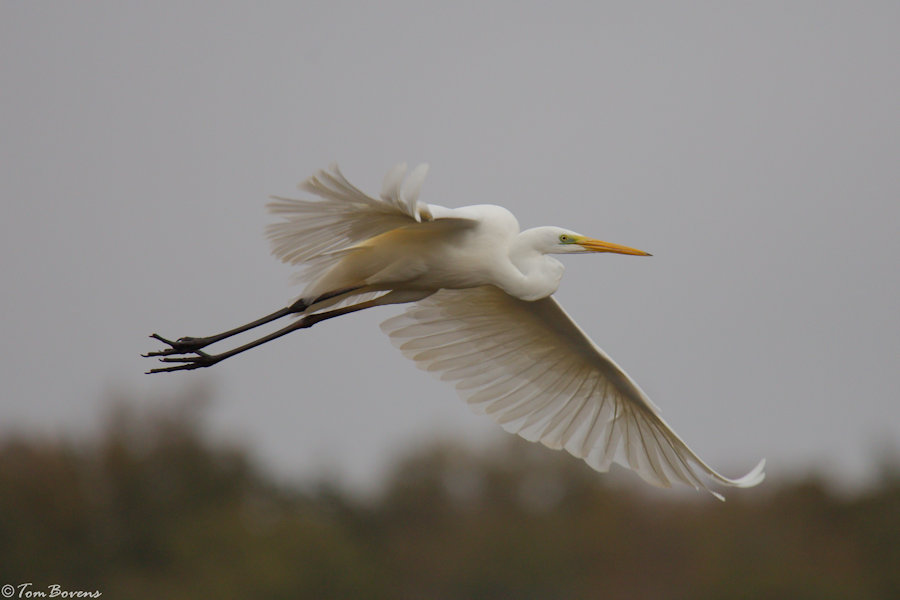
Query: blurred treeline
[{"x": 153, "y": 508}]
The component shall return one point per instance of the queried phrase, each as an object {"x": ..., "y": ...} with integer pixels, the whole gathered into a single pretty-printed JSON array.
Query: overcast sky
[{"x": 751, "y": 147}]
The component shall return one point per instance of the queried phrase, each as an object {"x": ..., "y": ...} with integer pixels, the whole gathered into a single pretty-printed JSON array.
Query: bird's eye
[{"x": 564, "y": 238}]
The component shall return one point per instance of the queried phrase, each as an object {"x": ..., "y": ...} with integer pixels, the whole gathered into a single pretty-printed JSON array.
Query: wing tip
[{"x": 756, "y": 476}]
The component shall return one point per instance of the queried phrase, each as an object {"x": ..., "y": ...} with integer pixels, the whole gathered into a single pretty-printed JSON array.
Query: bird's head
[{"x": 555, "y": 240}]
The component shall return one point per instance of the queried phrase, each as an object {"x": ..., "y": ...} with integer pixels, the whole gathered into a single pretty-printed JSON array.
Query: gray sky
[{"x": 751, "y": 147}]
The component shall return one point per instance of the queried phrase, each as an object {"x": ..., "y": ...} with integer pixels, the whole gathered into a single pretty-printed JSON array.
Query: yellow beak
[{"x": 600, "y": 246}]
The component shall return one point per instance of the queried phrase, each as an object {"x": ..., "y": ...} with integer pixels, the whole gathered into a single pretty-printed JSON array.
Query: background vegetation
[{"x": 153, "y": 508}]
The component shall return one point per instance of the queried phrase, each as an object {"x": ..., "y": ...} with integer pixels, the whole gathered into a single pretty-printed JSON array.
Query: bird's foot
[
  {"x": 186, "y": 363},
  {"x": 185, "y": 345}
]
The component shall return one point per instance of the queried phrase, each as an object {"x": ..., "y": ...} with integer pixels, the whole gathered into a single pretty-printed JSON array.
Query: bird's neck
[{"x": 536, "y": 275}]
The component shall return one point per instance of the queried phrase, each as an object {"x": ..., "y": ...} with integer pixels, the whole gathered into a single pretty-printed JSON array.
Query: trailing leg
[
  {"x": 186, "y": 345},
  {"x": 202, "y": 359}
]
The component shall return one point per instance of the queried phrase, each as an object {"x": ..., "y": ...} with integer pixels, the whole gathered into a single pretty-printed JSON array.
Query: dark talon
[
  {"x": 171, "y": 351},
  {"x": 165, "y": 352},
  {"x": 156, "y": 336},
  {"x": 201, "y": 358},
  {"x": 187, "y": 362},
  {"x": 184, "y": 345},
  {"x": 184, "y": 367}
]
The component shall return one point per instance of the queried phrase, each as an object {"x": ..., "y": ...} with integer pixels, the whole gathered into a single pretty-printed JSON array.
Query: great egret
[{"x": 483, "y": 315}]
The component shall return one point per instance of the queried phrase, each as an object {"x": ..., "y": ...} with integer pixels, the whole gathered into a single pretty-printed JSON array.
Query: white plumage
[
  {"x": 482, "y": 316},
  {"x": 536, "y": 373},
  {"x": 313, "y": 233}
]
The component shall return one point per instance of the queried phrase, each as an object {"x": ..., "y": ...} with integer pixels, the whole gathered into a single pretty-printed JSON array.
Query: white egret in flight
[{"x": 482, "y": 315}]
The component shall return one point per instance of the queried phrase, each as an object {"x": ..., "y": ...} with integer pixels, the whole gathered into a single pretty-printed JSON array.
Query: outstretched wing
[
  {"x": 313, "y": 233},
  {"x": 532, "y": 369}
]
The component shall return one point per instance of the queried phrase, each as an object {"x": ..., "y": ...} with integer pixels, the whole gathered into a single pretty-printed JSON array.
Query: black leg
[
  {"x": 202, "y": 359},
  {"x": 186, "y": 345},
  {"x": 193, "y": 344}
]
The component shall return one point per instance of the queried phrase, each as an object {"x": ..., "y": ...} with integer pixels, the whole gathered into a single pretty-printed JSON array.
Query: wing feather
[
  {"x": 529, "y": 366},
  {"x": 555, "y": 432},
  {"x": 316, "y": 234}
]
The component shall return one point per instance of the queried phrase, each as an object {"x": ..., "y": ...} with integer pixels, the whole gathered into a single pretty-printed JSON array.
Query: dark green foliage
[{"x": 153, "y": 509}]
